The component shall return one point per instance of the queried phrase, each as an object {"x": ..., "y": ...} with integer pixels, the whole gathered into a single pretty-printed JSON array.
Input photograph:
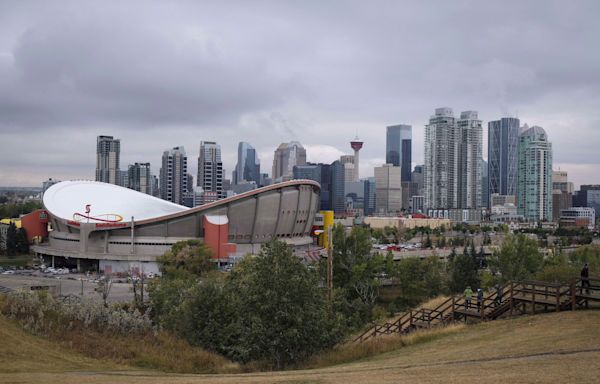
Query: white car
[{"x": 9, "y": 272}]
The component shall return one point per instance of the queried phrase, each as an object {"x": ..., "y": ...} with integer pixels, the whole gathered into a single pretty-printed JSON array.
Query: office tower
[
  {"x": 534, "y": 177},
  {"x": 286, "y": 156},
  {"x": 123, "y": 179},
  {"x": 349, "y": 168},
  {"x": 388, "y": 189},
  {"x": 470, "y": 149},
  {"x": 108, "y": 153},
  {"x": 357, "y": 145},
  {"x": 173, "y": 175},
  {"x": 248, "y": 165},
  {"x": 338, "y": 200},
  {"x": 398, "y": 148},
  {"x": 409, "y": 189},
  {"x": 503, "y": 148},
  {"x": 417, "y": 178},
  {"x": 562, "y": 194},
  {"x": 190, "y": 183},
  {"x": 441, "y": 168},
  {"x": 588, "y": 196},
  {"x": 210, "y": 170},
  {"x": 417, "y": 204},
  {"x": 140, "y": 178},
  {"x": 155, "y": 186},
  {"x": 485, "y": 185},
  {"x": 370, "y": 197}
]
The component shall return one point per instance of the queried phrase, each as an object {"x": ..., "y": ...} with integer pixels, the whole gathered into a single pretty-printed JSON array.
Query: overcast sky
[{"x": 171, "y": 73}]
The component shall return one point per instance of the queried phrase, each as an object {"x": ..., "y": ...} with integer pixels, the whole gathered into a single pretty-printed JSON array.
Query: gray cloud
[{"x": 161, "y": 74}]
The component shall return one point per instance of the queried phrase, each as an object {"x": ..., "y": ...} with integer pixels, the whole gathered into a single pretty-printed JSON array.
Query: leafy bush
[{"x": 38, "y": 312}]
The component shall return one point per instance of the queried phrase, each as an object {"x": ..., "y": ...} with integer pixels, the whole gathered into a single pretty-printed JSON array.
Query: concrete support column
[
  {"x": 52, "y": 261},
  {"x": 78, "y": 265}
]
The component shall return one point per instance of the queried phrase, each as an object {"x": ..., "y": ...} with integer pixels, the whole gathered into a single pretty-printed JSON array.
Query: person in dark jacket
[
  {"x": 585, "y": 278},
  {"x": 499, "y": 293},
  {"x": 479, "y": 299}
]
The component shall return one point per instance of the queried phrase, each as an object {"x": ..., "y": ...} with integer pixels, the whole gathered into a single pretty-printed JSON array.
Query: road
[{"x": 70, "y": 284}]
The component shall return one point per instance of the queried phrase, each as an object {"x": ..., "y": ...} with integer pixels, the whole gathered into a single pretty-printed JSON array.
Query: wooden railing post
[
  {"x": 557, "y": 298},
  {"x": 511, "y": 298},
  {"x": 533, "y": 288},
  {"x": 573, "y": 295}
]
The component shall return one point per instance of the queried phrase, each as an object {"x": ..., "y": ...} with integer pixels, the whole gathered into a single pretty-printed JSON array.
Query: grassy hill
[{"x": 559, "y": 347}]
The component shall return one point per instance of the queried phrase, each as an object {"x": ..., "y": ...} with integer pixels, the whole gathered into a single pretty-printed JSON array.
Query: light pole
[{"x": 329, "y": 246}]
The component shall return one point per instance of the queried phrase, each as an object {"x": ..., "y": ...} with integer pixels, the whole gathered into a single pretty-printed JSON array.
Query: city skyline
[{"x": 272, "y": 82}]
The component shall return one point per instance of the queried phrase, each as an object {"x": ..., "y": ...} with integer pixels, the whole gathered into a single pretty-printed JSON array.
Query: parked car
[{"x": 9, "y": 272}]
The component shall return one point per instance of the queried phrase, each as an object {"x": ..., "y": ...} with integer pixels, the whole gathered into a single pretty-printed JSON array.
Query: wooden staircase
[{"x": 518, "y": 298}]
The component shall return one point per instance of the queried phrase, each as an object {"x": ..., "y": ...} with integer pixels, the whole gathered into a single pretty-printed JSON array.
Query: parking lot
[{"x": 65, "y": 284}]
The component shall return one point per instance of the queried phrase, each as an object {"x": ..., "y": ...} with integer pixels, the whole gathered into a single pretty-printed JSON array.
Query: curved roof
[
  {"x": 534, "y": 131},
  {"x": 68, "y": 200}
]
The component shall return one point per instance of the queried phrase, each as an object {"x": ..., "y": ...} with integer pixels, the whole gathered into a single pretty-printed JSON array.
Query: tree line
[{"x": 273, "y": 309}]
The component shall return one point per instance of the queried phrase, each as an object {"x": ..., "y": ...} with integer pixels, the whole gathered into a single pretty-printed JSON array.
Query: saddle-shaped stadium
[{"x": 116, "y": 229}]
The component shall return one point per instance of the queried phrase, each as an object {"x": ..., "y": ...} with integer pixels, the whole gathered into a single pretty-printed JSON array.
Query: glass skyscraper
[
  {"x": 503, "y": 143},
  {"x": 398, "y": 148},
  {"x": 248, "y": 165},
  {"x": 534, "y": 188}
]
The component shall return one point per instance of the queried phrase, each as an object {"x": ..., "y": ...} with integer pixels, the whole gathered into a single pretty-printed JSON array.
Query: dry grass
[
  {"x": 554, "y": 348},
  {"x": 90, "y": 350},
  {"x": 161, "y": 351},
  {"x": 351, "y": 351}
]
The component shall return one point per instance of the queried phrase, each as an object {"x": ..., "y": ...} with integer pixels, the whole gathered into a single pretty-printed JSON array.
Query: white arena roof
[{"x": 96, "y": 202}]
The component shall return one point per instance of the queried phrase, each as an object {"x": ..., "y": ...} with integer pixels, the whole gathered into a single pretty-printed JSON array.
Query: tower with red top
[{"x": 356, "y": 144}]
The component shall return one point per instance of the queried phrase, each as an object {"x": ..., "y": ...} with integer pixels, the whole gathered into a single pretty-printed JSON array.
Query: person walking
[
  {"x": 585, "y": 278},
  {"x": 479, "y": 299},
  {"x": 468, "y": 293},
  {"x": 498, "y": 299}
]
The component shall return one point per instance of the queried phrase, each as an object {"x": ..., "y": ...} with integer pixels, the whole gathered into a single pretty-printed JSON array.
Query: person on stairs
[
  {"x": 585, "y": 278},
  {"x": 468, "y": 293},
  {"x": 479, "y": 299},
  {"x": 498, "y": 299}
]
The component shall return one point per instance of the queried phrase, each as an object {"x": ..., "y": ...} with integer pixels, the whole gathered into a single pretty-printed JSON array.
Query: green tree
[
  {"x": 189, "y": 258},
  {"x": 22, "y": 241},
  {"x": 463, "y": 271},
  {"x": 281, "y": 312},
  {"x": 11, "y": 239},
  {"x": 518, "y": 258}
]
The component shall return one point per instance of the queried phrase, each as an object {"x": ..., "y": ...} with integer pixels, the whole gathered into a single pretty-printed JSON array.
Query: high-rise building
[
  {"x": 588, "y": 196},
  {"x": 173, "y": 175},
  {"x": 388, "y": 189},
  {"x": 108, "y": 154},
  {"x": 562, "y": 194},
  {"x": 453, "y": 151},
  {"x": 485, "y": 184},
  {"x": 210, "y": 169},
  {"x": 398, "y": 148},
  {"x": 248, "y": 165},
  {"x": 338, "y": 200},
  {"x": 356, "y": 145},
  {"x": 417, "y": 178},
  {"x": 441, "y": 168},
  {"x": 534, "y": 179},
  {"x": 370, "y": 196},
  {"x": 470, "y": 149},
  {"x": 140, "y": 178},
  {"x": 349, "y": 167},
  {"x": 503, "y": 151},
  {"x": 286, "y": 156}
]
